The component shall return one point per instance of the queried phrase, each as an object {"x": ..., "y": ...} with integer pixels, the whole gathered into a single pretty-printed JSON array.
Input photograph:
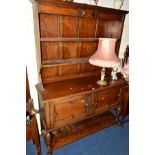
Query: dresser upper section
[{"x": 68, "y": 35}]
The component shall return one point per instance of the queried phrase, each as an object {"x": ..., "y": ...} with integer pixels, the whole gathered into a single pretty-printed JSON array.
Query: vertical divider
[
  {"x": 97, "y": 21},
  {"x": 59, "y": 43},
  {"x": 96, "y": 29},
  {"x": 79, "y": 44}
]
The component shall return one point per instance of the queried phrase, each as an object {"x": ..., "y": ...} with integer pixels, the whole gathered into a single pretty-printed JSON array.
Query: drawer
[
  {"x": 71, "y": 110},
  {"x": 105, "y": 99}
]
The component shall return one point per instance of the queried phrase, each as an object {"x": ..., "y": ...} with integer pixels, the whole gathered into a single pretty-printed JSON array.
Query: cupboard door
[
  {"x": 104, "y": 100},
  {"x": 71, "y": 110}
]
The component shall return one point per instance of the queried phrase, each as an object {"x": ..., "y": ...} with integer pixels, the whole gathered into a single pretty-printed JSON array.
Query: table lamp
[{"x": 105, "y": 56}]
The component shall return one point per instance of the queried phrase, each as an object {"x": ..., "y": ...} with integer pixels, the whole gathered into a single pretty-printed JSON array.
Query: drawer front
[
  {"x": 70, "y": 110},
  {"x": 105, "y": 99}
]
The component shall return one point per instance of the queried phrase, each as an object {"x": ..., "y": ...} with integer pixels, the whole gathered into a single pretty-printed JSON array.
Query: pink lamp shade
[
  {"x": 105, "y": 55},
  {"x": 125, "y": 69}
]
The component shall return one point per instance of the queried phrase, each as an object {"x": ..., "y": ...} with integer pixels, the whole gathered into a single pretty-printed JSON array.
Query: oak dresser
[{"x": 71, "y": 104}]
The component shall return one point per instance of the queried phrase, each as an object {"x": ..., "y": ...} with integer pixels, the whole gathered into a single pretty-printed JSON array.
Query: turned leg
[
  {"x": 49, "y": 153},
  {"x": 37, "y": 142},
  {"x": 38, "y": 148},
  {"x": 49, "y": 141},
  {"x": 117, "y": 115},
  {"x": 122, "y": 123},
  {"x": 125, "y": 105}
]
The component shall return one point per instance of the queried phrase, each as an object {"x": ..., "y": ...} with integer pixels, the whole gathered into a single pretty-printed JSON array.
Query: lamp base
[{"x": 101, "y": 83}]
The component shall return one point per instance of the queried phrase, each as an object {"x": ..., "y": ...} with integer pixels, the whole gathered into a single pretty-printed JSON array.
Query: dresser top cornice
[{"x": 77, "y": 5}]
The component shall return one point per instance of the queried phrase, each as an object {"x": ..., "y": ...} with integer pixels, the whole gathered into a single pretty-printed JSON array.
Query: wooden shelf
[
  {"x": 69, "y": 39},
  {"x": 81, "y": 129},
  {"x": 64, "y": 62}
]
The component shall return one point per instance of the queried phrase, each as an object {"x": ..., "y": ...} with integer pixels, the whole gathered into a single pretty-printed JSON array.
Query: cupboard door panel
[
  {"x": 70, "y": 110},
  {"x": 63, "y": 111}
]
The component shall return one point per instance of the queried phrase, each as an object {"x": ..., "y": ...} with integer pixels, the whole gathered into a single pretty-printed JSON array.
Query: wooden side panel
[{"x": 48, "y": 25}]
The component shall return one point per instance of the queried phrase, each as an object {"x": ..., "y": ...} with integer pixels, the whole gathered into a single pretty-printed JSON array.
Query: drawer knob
[
  {"x": 106, "y": 106},
  {"x": 82, "y": 101},
  {"x": 102, "y": 98}
]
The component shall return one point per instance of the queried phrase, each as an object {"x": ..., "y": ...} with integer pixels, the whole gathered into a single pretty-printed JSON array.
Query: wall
[{"x": 31, "y": 52}]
